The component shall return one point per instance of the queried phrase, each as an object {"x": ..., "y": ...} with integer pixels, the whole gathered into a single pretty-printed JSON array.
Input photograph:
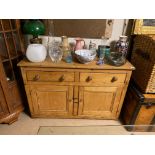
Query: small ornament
[
  {"x": 100, "y": 62},
  {"x": 122, "y": 45}
]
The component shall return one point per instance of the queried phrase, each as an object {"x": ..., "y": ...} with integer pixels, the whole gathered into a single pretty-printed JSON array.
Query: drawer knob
[
  {"x": 89, "y": 78},
  {"x": 114, "y": 79},
  {"x": 62, "y": 78},
  {"x": 36, "y": 77}
]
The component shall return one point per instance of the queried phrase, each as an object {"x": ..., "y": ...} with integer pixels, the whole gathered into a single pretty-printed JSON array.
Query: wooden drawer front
[
  {"x": 46, "y": 76},
  {"x": 103, "y": 77}
]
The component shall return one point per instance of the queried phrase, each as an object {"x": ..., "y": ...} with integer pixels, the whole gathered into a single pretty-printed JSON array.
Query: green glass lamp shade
[{"x": 34, "y": 27}]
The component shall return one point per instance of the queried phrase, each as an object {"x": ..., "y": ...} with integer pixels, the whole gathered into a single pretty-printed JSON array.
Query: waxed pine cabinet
[{"x": 74, "y": 90}]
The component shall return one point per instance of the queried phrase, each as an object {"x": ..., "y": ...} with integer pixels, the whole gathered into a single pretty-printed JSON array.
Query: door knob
[
  {"x": 62, "y": 78},
  {"x": 36, "y": 77},
  {"x": 80, "y": 100},
  {"x": 70, "y": 100},
  {"x": 114, "y": 79},
  {"x": 89, "y": 78}
]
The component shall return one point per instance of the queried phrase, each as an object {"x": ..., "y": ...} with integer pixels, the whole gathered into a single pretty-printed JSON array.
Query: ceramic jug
[{"x": 80, "y": 43}]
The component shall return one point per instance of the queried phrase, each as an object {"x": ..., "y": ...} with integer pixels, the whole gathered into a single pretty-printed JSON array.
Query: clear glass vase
[{"x": 55, "y": 52}]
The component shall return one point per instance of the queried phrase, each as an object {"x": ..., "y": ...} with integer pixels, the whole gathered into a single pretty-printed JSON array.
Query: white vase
[{"x": 36, "y": 52}]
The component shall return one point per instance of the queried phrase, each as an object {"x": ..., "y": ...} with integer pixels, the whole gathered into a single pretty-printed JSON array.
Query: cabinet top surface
[{"x": 74, "y": 65}]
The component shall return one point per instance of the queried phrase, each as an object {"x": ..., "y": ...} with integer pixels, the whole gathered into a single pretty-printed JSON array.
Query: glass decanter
[{"x": 55, "y": 51}]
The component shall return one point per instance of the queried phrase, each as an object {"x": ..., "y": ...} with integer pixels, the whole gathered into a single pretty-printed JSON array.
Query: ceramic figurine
[{"x": 100, "y": 62}]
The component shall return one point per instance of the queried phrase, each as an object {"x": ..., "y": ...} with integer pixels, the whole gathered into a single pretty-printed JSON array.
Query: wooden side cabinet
[{"x": 75, "y": 90}]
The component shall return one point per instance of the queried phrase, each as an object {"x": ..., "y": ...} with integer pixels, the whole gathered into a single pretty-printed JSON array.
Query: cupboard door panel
[
  {"x": 50, "y": 100},
  {"x": 99, "y": 101},
  {"x": 3, "y": 109}
]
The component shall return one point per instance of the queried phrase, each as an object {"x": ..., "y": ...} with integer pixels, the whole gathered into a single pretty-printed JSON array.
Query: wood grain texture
[
  {"x": 100, "y": 101},
  {"x": 10, "y": 53},
  {"x": 103, "y": 77},
  {"x": 87, "y": 28},
  {"x": 137, "y": 110},
  {"x": 3, "y": 104},
  {"x": 56, "y": 100},
  {"x": 10, "y": 118},
  {"x": 145, "y": 115},
  {"x": 50, "y": 76},
  {"x": 75, "y": 65},
  {"x": 75, "y": 97},
  {"x": 123, "y": 93}
]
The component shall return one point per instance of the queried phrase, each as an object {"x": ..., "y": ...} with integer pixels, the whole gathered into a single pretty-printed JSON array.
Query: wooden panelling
[{"x": 86, "y": 28}]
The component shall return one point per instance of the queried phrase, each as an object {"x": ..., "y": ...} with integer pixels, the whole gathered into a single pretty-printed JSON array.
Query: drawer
[
  {"x": 49, "y": 76},
  {"x": 103, "y": 77}
]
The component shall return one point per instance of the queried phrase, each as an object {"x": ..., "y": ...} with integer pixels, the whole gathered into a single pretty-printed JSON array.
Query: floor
[{"x": 28, "y": 126}]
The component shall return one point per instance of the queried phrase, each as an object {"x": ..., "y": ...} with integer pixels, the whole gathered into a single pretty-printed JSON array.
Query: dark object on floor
[{"x": 139, "y": 110}]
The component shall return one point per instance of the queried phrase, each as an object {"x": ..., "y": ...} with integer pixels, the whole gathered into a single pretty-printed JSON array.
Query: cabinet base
[
  {"x": 72, "y": 117},
  {"x": 13, "y": 117}
]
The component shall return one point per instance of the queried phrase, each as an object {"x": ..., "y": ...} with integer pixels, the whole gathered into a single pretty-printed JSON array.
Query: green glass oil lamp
[{"x": 34, "y": 27}]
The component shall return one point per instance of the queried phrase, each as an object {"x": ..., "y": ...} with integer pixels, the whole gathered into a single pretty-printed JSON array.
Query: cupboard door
[
  {"x": 49, "y": 100},
  {"x": 3, "y": 106},
  {"x": 99, "y": 102}
]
